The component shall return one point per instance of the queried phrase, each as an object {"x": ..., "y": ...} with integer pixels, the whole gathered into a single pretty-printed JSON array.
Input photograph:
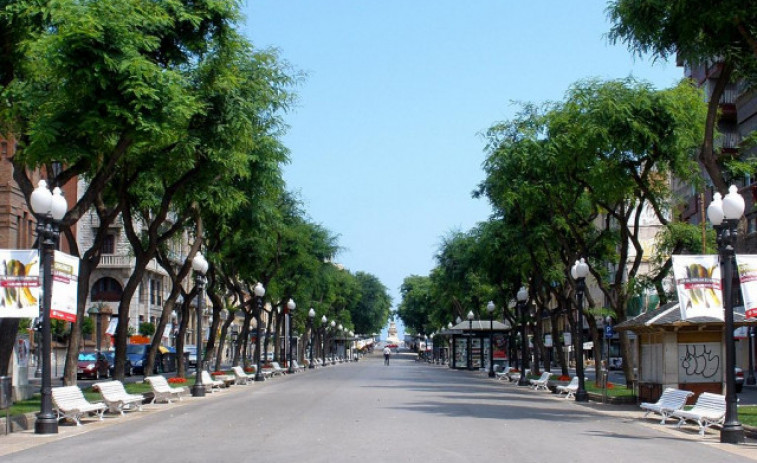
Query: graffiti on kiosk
[{"x": 700, "y": 361}]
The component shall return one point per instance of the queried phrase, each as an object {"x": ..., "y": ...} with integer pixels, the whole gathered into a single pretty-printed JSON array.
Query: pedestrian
[{"x": 387, "y": 353}]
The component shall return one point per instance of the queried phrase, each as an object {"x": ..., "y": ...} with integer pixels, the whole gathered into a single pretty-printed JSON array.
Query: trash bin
[{"x": 6, "y": 392}]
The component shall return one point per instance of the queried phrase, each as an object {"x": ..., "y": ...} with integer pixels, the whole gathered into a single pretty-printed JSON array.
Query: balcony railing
[{"x": 126, "y": 262}]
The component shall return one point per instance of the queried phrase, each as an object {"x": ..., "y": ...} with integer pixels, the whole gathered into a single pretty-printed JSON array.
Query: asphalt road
[{"x": 406, "y": 412}]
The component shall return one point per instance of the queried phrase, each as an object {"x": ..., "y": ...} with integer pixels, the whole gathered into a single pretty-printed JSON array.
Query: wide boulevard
[{"x": 405, "y": 412}]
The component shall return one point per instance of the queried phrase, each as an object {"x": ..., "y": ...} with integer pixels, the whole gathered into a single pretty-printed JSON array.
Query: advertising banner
[
  {"x": 19, "y": 283},
  {"x": 698, "y": 284},
  {"x": 65, "y": 284},
  {"x": 747, "y": 265}
]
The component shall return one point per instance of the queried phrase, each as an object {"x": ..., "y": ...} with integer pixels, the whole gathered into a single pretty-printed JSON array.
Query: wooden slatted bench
[
  {"x": 707, "y": 411},
  {"x": 116, "y": 398},
  {"x": 672, "y": 399},
  {"x": 162, "y": 390},
  {"x": 69, "y": 402}
]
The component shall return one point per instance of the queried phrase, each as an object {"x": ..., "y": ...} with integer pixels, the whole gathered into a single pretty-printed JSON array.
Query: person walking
[{"x": 387, "y": 353}]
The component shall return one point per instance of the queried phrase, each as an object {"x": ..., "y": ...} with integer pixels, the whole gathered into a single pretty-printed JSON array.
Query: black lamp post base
[
  {"x": 582, "y": 396},
  {"x": 523, "y": 381},
  {"x": 259, "y": 377},
  {"x": 198, "y": 390},
  {"x": 491, "y": 373},
  {"x": 46, "y": 425},
  {"x": 732, "y": 434}
]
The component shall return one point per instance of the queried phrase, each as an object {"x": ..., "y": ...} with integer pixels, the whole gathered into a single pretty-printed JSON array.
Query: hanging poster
[
  {"x": 19, "y": 283},
  {"x": 747, "y": 265},
  {"x": 698, "y": 284},
  {"x": 65, "y": 286}
]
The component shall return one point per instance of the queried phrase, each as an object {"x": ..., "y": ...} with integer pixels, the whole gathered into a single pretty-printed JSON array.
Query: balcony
[
  {"x": 113, "y": 261},
  {"x": 728, "y": 143}
]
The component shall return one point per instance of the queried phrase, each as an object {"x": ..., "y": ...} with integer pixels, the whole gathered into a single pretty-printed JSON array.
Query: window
[
  {"x": 109, "y": 244},
  {"x": 106, "y": 289},
  {"x": 156, "y": 292}
]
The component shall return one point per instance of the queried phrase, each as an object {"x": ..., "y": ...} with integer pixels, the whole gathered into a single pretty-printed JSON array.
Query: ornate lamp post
[
  {"x": 490, "y": 308},
  {"x": 470, "y": 340},
  {"x": 49, "y": 209},
  {"x": 750, "y": 379},
  {"x": 579, "y": 271},
  {"x": 94, "y": 311},
  {"x": 311, "y": 315},
  {"x": 200, "y": 266},
  {"x": 324, "y": 321},
  {"x": 332, "y": 343},
  {"x": 433, "y": 347},
  {"x": 724, "y": 215},
  {"x": 290, "y": 308},
  {"x": 259, "y": 292},
  {"x": 340, "y": 329},
  {"x": 522, "y": 297}
]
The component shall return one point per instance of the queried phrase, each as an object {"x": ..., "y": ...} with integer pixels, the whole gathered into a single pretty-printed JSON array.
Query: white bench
[
  {"x": 297, "y": 367},
  {"x": 672, "y": 399},
  {"x": 504, "y": 374},
  {"x": 162, "y": 390},
  {"x": 211, "y": 385},
  {"x": 707, "y": 411},
  {"x": 276, "y": 369},
  {"x": 116, "y": 398},
  {"x": 542, "y": 382},
  {"x": 267, "y": 373},
  {"x": 569, "y": 389},
  {"x": 69, "y": 402},
  {"x": 240, "y": 377}
]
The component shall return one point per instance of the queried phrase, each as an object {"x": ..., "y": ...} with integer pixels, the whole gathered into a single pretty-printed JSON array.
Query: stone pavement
[
  {"x": 22, "y": 440},
  {"x": 623, "y": 413}
]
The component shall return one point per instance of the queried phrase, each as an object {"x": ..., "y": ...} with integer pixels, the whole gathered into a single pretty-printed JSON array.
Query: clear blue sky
[{"x": 385, "y": 141}]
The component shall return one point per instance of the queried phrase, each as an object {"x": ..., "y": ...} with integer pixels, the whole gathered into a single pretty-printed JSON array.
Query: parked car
[
  {"x": 91, "y": 364},
  {"x": 739, "y": 379},
  {"x": 128, "y": 367},
  {"x": 165, "y": 359}
]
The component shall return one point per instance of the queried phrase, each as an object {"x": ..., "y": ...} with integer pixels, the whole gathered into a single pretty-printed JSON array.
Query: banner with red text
[
  {"x": 65, "y": 284},
  {"x": 747, "y": 265}
]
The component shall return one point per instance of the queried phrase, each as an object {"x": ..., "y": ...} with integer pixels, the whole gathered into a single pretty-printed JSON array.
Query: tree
[
  {"x": 600, "y": 160},
  {"x": 697, "y": 32},
  {"x": 373, "y": 306}
]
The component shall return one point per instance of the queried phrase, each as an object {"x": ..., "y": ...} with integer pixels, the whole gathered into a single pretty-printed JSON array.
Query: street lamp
[
  {"x": 750, "y": 379},
  {"x": 223, "y": 315},
  {"x": 234, "y": 343},
  {"x": 94, "y": 311},
  {"x": 324, "y": 320},
  {"x": 259, "y": 292},
  {"x": 49, "y": 209},
  {"x": 724, "y": 215},
  {"x": 470, "y": 340},
  {"x": 200, "y": 266},
  {"x": 332, "y": 344},
  {"x": 579, "y": 271},
  {"x": 490, "y": 308},
  {"x": 311, "y": 315},
  {"x": 290, "y": 308},
  {"x": 522, "y": 297}
]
